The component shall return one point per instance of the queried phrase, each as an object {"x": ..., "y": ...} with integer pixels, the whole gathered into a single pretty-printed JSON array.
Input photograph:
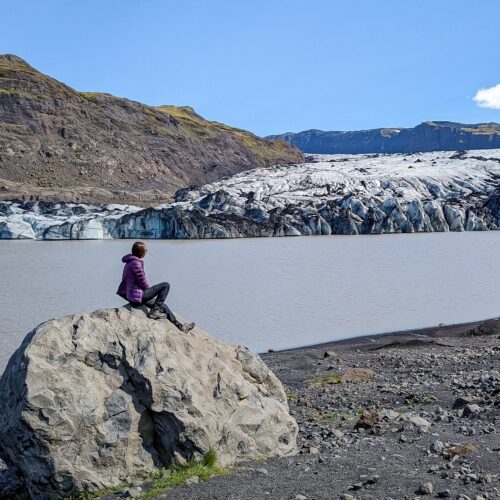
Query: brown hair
[{"x": 139, "y": 249}]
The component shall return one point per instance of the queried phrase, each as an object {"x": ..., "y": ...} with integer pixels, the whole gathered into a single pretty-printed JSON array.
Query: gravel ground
[{"x": 428, "y": 420}]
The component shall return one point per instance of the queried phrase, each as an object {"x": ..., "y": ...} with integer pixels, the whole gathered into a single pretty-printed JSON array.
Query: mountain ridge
[
  {"x": 96, "y": 147},
  {"x": 426, "y": 137}
]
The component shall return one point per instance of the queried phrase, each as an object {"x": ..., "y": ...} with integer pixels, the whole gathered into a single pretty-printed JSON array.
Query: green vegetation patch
[
  {"x": 195, "y": 126},
  {"x": 486, "y": 129},
  {"x": 324, "y": 380},
  {"x": 166, "y": 479},
  {"x": 334, "y": 417},
  {"x": 330, "y": 417},
  {"x": 429, "y": 400},
  {"x": 91, "y": 95},
  {"x": 86, "y": 495},
  {"x": 407, "y": 406},
  {"x": 163, "y": 480}
]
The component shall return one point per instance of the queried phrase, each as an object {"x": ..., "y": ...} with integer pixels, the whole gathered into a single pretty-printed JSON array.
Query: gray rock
[
  {"x": 330, "y": 354},
  {"x": 426, "y": 489},
  {"x": 444, "y": 494},
  {"x": 122, "y": 393},
  {"x": 437, "y": 447},
  {"x": 356, "y": 486},
  {"x": 414, "y": 419},
  {"x": 463, "y": 401},
  {"x": 358, "y": 375},
  {"x": 367, "y": 420},
  {"x": 10, "y": 483},
  {"x": 471, "y": 409},
  {"x": 372, "y": 479}
]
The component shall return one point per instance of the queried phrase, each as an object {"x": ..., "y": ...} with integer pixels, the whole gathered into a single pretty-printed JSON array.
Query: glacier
[{"x": 328, "y": 194}]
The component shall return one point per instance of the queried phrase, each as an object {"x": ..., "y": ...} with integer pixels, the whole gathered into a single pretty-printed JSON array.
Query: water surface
[{"x": 265, "y": 292}]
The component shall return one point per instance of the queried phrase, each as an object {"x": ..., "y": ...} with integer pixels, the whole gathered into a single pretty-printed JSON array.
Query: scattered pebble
[
  {"x": 426, "y": 489},
  {"x": 444, "y": 494},
  {"x": 437, "y": 447},
  {"x": 193, "y": 480}
]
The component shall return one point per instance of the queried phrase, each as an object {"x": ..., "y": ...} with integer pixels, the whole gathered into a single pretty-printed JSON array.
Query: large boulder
[{"x": 92, "y": 400}]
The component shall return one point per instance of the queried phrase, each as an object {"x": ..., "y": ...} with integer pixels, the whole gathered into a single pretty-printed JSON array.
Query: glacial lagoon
[{"x": 265, "y": 292}]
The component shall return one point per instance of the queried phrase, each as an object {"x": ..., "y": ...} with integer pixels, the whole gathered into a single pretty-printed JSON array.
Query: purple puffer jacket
[{"x": 133, "y": 280}]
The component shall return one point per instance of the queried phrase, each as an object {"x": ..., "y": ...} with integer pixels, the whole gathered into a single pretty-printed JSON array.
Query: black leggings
[{"x": 154, "y": 297}]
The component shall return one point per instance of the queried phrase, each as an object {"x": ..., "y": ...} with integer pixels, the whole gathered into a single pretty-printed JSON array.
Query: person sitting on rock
[{"x": 135, "y": 288}]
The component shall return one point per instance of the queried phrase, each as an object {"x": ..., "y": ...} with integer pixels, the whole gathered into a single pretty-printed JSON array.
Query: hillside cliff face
[
  {"x": 56, "y": 142},
  {"x": 428, "y": 136}
]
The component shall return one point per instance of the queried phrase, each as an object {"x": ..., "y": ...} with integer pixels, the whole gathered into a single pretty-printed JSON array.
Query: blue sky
[{"x": 277, "y": 65}]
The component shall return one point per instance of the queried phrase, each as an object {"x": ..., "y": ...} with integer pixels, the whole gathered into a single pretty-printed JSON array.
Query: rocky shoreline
[
  {"x": 427, "y": 420},
  {"x": 405, "y": 415}
]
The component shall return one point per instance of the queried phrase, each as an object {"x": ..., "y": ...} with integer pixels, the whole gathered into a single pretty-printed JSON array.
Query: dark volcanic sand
[{"x": 412, "y": 368}]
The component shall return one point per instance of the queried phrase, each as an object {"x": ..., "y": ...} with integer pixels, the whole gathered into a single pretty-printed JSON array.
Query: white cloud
[{"x": 488, "y": 98}]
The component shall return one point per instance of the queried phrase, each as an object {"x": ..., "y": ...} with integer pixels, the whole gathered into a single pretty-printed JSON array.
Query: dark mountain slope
[
  {"x": 54, "y": 139},
  {"x": 428, "y": 136}
]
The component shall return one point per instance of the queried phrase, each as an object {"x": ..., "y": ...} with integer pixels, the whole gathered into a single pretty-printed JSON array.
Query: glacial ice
[{"x": 329, "y": 194}]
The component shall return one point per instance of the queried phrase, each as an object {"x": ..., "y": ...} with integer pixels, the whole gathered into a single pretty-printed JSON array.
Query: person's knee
[{"x": 165, "y": 285}]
